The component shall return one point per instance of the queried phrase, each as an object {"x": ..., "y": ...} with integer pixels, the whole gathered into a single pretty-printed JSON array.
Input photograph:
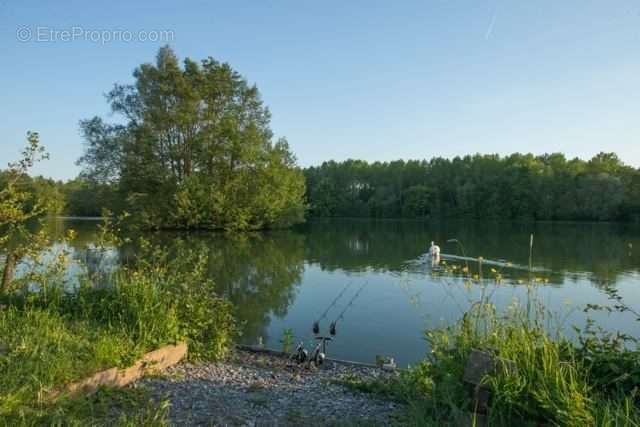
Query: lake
[{"x": 368, "y": 277}]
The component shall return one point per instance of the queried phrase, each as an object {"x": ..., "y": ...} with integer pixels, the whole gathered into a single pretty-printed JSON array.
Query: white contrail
[{"x": 491, "y": 24}]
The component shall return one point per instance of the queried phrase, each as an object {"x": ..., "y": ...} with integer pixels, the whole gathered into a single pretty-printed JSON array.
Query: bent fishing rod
[
  {"x": 316, "y": 324},
  {"x": 301, "y": 355},
  {"x": 332, "y": 327}
]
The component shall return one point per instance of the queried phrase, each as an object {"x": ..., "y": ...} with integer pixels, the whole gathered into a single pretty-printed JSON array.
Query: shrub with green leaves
[
  {"x": 545, "y": 378},
  {"x": 53, "y": 333},
  {"x": 51, "y": 336},
  {"x": 548, "y": 380}
]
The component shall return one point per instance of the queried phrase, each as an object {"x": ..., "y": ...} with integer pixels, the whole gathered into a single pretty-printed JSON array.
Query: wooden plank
[{"x": 153, "y": 361}]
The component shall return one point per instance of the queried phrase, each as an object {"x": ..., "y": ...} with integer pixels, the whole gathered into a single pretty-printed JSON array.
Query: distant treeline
[
  {"x": 519, "y": 186},
  {"x": 193, "y": 148},
  {"x": 77, "y": 197}
]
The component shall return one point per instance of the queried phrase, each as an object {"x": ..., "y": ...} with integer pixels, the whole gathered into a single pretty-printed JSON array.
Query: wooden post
[{"x": 480, "y": 364}]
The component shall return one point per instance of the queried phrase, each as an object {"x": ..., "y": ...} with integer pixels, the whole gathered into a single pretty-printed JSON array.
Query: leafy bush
[
  {"x": 551, "y": 379},
  {"x": 52, "y": 333},
  {"x": 203, "y": 319},
  {"x": 547, "y": 379},
  {"x": 50, "y": 337}
]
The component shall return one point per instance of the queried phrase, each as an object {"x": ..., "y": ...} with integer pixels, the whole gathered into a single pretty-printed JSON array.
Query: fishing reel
[
  {"x": 320, "y": 352},
  {"x": 301, "y": 355},
  {"x": 319, "y": 358}
]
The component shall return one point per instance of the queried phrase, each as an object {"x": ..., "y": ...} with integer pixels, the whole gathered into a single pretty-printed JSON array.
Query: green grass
[
  {"x": 387, "y": 388},
  {"x": 43, "y": 350},
  {"x": 107, "y": 407},
  {"x": 549, "y": 380},
  {"x": 51, "y": 337}
]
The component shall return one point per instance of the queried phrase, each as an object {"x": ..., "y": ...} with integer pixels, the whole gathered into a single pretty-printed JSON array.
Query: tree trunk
[{"x": 9, "y": 270}]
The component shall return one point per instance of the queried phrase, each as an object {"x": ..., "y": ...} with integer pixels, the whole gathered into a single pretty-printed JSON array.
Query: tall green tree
[{"x": 195, "y": 149}]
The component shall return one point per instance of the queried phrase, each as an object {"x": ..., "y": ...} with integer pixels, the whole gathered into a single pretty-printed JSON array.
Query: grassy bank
[
  {"x": 548, "y": 379},
  {"x": 56, "y": 329},
  {"x": 52, "y": 335}
]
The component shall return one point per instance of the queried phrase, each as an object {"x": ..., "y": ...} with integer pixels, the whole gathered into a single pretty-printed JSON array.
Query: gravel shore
[{"x": 256, "y": 389}]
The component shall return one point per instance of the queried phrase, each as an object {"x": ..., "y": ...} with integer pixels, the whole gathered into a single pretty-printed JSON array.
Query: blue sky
[{"x": 376, "y": 80}]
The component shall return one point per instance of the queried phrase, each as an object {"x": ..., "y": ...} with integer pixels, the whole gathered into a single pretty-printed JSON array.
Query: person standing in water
[{"x": 434, "y": 252}]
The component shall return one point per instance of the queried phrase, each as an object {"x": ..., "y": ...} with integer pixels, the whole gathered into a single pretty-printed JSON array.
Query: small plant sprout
[{"x": 287, "y": 340}]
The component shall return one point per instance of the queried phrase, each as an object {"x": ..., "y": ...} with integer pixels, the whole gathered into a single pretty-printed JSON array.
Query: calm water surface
[{"x": 385, "y": 297}]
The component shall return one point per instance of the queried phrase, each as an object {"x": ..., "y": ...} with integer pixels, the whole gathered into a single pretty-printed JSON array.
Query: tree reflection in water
[
  {"x": 259, "y": 274},
  {"x": 275, "y": 279}
]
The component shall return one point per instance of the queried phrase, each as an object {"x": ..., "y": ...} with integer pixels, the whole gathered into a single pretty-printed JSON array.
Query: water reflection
[
  {"x": 285, "y": 279},
  {"x": 259, "y": 274},
  {"x": 603, "y": 251}
]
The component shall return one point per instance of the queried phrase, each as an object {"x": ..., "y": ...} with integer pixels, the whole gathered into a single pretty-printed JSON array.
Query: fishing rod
[
  {"x": 301, "y": 354},
  {"x": 318, "y": 356},
  {"x": 316, "y": 324},
  {"x": 332, "y": 327}
]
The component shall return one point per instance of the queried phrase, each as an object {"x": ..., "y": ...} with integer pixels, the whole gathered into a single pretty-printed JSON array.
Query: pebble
[{"x": 258, "y": 390}]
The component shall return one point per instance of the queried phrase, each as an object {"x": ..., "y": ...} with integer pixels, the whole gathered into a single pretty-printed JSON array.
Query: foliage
[
  {"x": 386, "y": 387},
  {"x": 53, "y": 332},
  {"x": 552, "y": 381},
  {"x": 204, "y": 319},
  {"x": 44, "y": 191},
  {"x": 546, "y": 378},
  {"x": 615, "y": 369},
  {"x": 88, "y": 198},
  {"x": 108, "y": 407},
  {"x": 258, "y": 273},
  {"x": 18, "y": 207},
  {"x": 196, "y": 150},
  {"x": 287, "y": 340},
  {"x": 50, "y": 337},
  {"x": 519, "y": 186}
]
